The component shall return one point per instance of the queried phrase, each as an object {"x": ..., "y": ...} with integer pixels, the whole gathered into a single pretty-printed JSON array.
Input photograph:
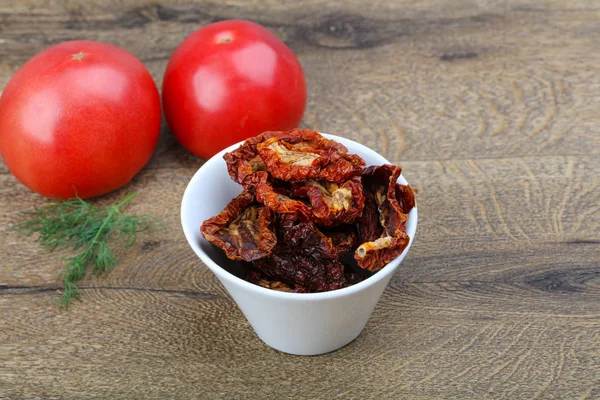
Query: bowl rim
[{"x": 221, "y": 273}]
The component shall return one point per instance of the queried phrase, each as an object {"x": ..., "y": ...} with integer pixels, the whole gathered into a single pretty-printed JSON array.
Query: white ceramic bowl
[{"x": 296, "y": 323}]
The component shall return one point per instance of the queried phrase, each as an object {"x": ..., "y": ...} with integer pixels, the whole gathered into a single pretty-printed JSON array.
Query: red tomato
[
  {"x": 79, "y": 118},
  {"x": 229, "y": 81}
]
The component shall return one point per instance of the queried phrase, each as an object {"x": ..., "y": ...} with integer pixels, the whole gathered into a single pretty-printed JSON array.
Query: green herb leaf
[{"x": 78, "y": 224}]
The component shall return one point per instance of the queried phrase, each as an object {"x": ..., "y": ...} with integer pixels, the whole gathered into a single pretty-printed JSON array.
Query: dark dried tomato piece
[
  {"x": 381, "y": 182},
  {"x": 295, "y": 268},
  {"x": 352, "y": 278},
  {"x": 344, "y": 238},
  {"x": 243, "y": 230},
  {"x": 308, "y": 155},
  {"x": 306, "y": 238},
  {"x": 406, "y": 197},
  {"x": 333, "y": 204},
  {"x": 259, "y": 279},
  {"x": 368, "y": 224},
  {"x": 382, "y": 243}
]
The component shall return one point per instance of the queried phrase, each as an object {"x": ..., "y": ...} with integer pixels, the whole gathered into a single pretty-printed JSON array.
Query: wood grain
[{"x": 491, "y": 110}]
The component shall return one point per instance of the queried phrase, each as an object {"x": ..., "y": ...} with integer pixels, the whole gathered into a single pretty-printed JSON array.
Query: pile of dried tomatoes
[{"x": 311, "y": 217}]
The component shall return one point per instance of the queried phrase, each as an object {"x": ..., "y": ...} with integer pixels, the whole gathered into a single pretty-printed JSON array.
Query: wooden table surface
[{"x": 493, "y": 111}]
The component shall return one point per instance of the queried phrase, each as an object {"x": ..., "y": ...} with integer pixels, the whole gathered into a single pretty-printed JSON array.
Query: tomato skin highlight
[
  {"x": 228, "y": 81},
  {"x": 79, "y": 118}
]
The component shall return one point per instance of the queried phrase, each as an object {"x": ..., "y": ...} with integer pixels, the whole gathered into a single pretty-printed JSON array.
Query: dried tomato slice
[
  {"x": 308, "y": 155},
  {"x": 306, "y": 238},
  {"x": 381, "y": 183},
  {"x": 279, "y": 200},
  {"x": 305, "y": 139},
  {"x": 244, "y": 161},
  {"x": 342, "y": 168},
  {"x": 381, "y": 244},
  {"x": 344, "y": 239},
  {"x": 243, "y": 230},
  {"x": 406, "y": 197},
  {"x": 375, "y": 255},
  {"x": 368, "y": 224},
  {"x": 290, "y": 266},
  {"x": 352, "y": 278},
  {"x": 259, "y": 279},
  {"x": 333, "y": 204}
]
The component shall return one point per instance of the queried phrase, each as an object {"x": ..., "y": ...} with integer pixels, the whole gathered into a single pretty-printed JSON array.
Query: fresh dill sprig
[{"x": 87, "y": 229}]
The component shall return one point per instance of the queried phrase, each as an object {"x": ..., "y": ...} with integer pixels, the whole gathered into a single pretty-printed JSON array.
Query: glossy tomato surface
[
  {"x": 79, "y": 118},
  {"x": 228, "y": 81}
]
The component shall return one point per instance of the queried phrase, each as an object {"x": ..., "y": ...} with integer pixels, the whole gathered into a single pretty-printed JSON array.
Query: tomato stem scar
[
  {"x": 225, "y": 37},
  {"x": 79, "y": 56}
]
